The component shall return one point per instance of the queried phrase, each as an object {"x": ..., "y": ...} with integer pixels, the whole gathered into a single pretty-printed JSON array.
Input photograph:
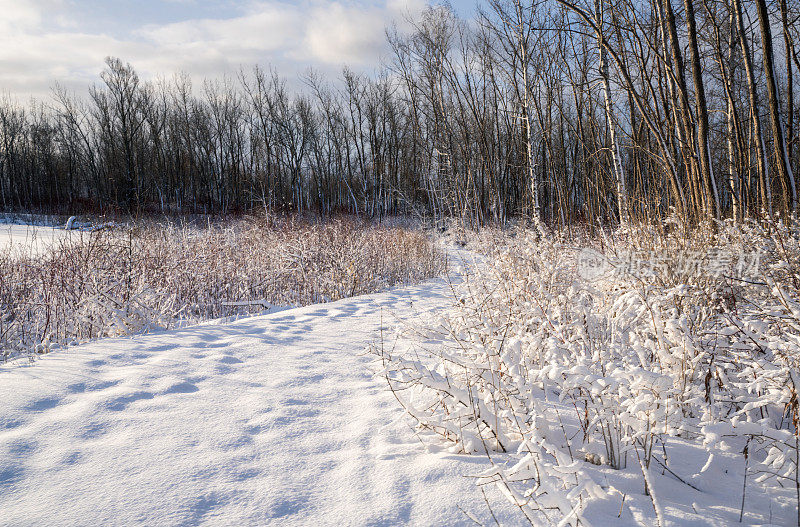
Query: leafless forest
[{"x": 556, "y": 111}]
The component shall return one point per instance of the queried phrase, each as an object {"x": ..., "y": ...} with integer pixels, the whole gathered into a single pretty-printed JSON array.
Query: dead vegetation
[{"x": 146, "y": 276}]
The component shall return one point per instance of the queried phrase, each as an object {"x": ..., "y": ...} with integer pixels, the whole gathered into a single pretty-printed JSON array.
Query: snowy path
[{"x": 270, "y": 419}]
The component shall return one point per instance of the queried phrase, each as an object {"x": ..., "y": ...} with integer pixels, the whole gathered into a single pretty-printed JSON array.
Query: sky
[{"x": 47, "y": 41}]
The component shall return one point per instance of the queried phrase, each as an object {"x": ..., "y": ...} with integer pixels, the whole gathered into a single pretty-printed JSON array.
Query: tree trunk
[
  {"x": 778, "y": 139},
  {"x": 789, "y": 49},
  {"x": 619, "y": 176},
  {"x": 711, "y": 196},
  {"x": 761, "y": 161},
  {"x": 532, "y": 177}
]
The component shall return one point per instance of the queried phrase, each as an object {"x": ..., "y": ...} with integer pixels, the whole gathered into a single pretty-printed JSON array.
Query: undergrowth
[
  {"x": 147, "y": 276},
  {"x": 579, "y": 365}
]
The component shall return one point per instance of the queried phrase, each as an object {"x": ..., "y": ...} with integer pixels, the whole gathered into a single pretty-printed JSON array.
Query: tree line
[{"x": 558, "y": 111}]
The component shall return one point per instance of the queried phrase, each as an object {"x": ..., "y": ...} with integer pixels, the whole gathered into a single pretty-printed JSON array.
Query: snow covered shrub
[
  {"x": 662, "y": 358},
  {"x": 129, "y": 280}
]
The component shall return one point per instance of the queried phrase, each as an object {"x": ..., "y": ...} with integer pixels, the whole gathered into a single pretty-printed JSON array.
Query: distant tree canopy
[{"x": 555, "y": 110}]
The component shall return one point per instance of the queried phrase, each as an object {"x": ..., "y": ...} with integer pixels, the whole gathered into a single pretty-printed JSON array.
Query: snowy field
[
  {"x": 30, "y": 239},
  {"x": 273, "y": 419},
  {"x": 287, "y": 419}
]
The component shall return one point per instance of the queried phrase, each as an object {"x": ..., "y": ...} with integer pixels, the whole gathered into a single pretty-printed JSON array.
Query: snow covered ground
[
  {"x": 278, "y": 419},
  {"x": 270, "y": 419},
  {"x": 29, "y": 239}
]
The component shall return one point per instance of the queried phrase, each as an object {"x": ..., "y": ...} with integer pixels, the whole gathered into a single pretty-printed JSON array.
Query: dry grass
[{"x": 149, "y": 276}]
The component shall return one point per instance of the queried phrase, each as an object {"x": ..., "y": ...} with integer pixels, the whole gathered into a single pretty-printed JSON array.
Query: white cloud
[
  {"x": 339, "y": 33},
  {"x": 36, "y": 51},
  {"x": 265, "y": 27},
  {"x": 336, "y": 34},
  {"x": 18, "y": 15}
]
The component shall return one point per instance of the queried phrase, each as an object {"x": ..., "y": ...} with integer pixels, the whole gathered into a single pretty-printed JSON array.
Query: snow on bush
[
  {"x": 650, "y": 379},
  {"x": 119, "y": 281}
]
